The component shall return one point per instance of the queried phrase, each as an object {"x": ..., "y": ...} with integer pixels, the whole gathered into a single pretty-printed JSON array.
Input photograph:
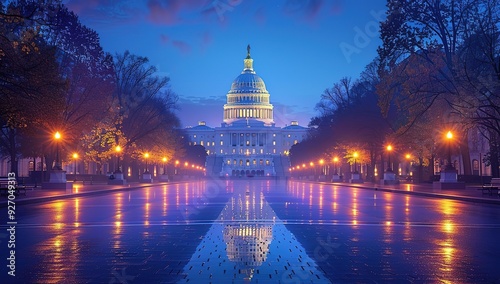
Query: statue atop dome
[{"x": 248, "y": 52}]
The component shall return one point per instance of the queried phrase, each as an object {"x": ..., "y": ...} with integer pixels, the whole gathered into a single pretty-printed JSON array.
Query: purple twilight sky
[{"x": 299, "y": 47}]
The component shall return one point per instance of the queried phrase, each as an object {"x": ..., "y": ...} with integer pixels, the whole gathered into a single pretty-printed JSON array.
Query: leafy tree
[{"x": 432, "y": 39}]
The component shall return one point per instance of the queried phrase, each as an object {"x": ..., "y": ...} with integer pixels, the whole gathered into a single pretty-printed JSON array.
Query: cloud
[
  {"x": 182, "y": 46},
  {"x": 309, "y": 10},
  {"x": 106, "y": 12},
  {"x": 173, "y": 12},
  {"x": 164, "y": 39}
]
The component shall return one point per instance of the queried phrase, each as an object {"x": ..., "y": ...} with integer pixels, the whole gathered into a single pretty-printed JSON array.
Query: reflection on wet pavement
[
  {"x": 248, "y": 242},
  {"x": 258, "y": 231}
]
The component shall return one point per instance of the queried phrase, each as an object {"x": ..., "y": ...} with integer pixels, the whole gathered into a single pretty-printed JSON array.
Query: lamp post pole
[
  {"x": 355, "y": 155},
  {"x": 449, "y": 136},
  {"x": 118, "y": 149},
  {"x": 146, "y": 156},
  {"x": 164, "y": 165},
  {"x": 75, "y": 157},
  {"x": 57, "y": 137},
  {"x": 389, "y": 149}
]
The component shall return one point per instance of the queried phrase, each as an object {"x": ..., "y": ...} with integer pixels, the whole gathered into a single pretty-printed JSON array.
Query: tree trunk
[
  {"x": 464, "y": 147},
  {"x": 494, "y": 158}
]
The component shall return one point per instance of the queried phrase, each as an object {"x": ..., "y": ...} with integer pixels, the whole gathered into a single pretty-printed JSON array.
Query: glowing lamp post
[
  {"x": 449, "y": 137},
  {"x": 336, "y": 176},
  {"x": 146, "y": 176},
  {"x": 57, "y": 178},
  {"x": 355, "y": 156},
  {"x": 164, "y": 176},
  {"x": 389, "y": 149},
  {"x": 118, "y": 149},
  {"x": 75, "y": 157},
  {"x": 323, "y": 170},
  {"x": 389, "y": 175},
  {"x": 117, "y": 176},
  {"x": 146, "y": 157},
  {"x": 449, "y": 177},
  {"x": 355, "y": 176},
  {"x": 57, "y": 165}
]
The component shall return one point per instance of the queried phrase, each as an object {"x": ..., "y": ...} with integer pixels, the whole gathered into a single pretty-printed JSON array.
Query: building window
[
  {"x": 262, "y": 151},
  {"x": 274, "y": 151},
  {"x": 222, "y": 152},
  {"x": 194, "y": 136},
  {"x": 228, "y": 162},
  {"x": 267, "y": 162},
  {"x": 295, "y": 142},
  {"x": 254, "y": 162},
  {"x": 274, "y": 142},
  {"x": 201, "y": 143},
  {"x": 222, "y": 143},
  {"x": 288, "y": 135}
]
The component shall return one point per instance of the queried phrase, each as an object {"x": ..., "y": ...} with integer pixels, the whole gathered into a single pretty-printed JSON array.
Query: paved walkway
[{"x": 470, "y": 193}]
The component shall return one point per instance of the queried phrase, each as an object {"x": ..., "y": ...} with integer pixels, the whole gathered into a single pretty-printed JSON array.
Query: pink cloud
[
  {"x": 309, "y": 10},
  {"x": 182, "y": 46},
  {"x": 171, "y": 12}
]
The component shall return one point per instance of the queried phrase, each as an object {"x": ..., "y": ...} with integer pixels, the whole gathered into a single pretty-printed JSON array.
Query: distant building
[{"x": 247, "y": 143}]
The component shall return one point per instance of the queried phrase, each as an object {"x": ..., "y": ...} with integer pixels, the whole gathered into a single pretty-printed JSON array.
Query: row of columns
[{"x": 248, "y": 112}]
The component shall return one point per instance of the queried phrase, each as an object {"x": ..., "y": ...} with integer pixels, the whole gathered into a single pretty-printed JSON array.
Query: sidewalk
[
  {"x": 470, "y": 193},
  {"x": 37, "y": 194}
]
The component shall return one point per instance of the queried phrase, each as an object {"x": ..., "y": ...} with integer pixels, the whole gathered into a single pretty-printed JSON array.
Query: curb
[
  {"x": 420, "y": 193},
  {"x": 80, "y": 194}
]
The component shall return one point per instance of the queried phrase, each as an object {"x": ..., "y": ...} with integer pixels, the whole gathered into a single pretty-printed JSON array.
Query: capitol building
[{"x": 248, "y": 143}]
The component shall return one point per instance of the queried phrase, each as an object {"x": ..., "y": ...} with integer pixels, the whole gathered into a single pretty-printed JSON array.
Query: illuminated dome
[
  {"x": 248, "y": 82},
  {"x": 248, "y": 97}
]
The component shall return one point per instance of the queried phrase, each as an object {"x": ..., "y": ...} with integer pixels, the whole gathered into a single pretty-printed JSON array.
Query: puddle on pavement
[{"x": 249, "y": 243}]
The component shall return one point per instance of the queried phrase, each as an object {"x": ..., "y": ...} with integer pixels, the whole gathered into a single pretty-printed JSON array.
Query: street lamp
[
  {"x": 164, "y": 165},
  {"x": 389, "y": 149},
  {"x": 409, "y": 165},
  {"x": 146, "y": 156},
  {"x": 75, "y": 157},
  {"x": 57, "y": 166},
  {"x": 355, "y": 155},
  {"x": 449, "y": 136},
  {"x": 335, "y": 161},
  {"x": 118, "y": 149}
]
